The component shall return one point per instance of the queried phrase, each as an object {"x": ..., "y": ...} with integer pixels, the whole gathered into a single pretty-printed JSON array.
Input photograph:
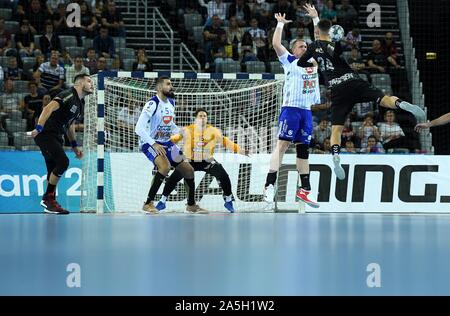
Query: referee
[{"x": 57, "y": 118}]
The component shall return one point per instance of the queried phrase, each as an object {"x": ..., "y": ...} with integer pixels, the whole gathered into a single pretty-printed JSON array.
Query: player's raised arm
[
  {"x": 312, "y": 13},
  {"x": 444, "y": 119},
  {"x": 276, "y": 40},
  {"x": 230, "y": 145},
  {"x": 46, "y": 112}
]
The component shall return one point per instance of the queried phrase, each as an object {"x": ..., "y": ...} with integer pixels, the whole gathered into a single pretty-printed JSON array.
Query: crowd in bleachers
[
  {"x": 236, "y": 35},
  {"x": 40, "y": 54}
]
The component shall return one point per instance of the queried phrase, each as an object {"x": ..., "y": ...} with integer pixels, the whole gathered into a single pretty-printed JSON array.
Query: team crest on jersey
[
  {"x": 167, "y": 119},
  {"x": 309, "y": 70}
]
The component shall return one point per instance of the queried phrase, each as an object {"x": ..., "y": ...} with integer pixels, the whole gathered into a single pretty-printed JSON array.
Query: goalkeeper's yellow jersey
[{"x": 199, "y": 143}]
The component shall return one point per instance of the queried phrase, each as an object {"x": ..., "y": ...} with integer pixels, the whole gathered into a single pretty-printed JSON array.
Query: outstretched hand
[
  {"x": 422, "y": 126},
  {"x": 310, "y": 10},
  {"x": 282, "y": 18}
]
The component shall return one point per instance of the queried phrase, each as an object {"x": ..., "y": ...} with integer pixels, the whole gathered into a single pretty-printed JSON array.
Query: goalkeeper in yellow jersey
[{"x": 200, "y": 140}]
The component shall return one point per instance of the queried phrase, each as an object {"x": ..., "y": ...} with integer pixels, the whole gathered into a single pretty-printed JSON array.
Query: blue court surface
[{"x": 222, "y": 254}]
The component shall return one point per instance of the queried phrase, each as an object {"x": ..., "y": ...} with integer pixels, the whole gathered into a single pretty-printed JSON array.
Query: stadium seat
[
  {"x": 5, "y": 14},
  {"x": 3, "y": 139},
  {"x": 4, "y": 61},
  {"x": 21, "y": 139},
  {"x": 15, "y": 115},
  {"x": 36, "y": 41},
  {"x": 28, "y": 63},
  {"x": 386, "y": 89},
  {"x": 16, "y": 126},
  {"x": 21, "y": 86},
  {"x": 255, "y": 67},
  {"x": 191, "y": 20},
  {"x": 109, "y": 63},
  {"x": 68, "y": 41},
  {"x": 231, "y": 67},
  {"x": 75, "y": 51},
  {"x": 119, "y": 42},
  {"x": 127, "y": 53},
  {"x": 12, "y": 27},
  {"x": 381, "y": 80},
  {"x": 347, "y": 55},
  {"x": 275, "y": 67},
  {"x": 364, "y": 77},
  {"x": 198, "y": 34},
  {"x": 128, "y": 64},
  {"x": 88, "y": 43}
]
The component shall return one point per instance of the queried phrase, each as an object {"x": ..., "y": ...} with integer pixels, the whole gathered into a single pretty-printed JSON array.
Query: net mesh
[{"x": 245, "y": 111}]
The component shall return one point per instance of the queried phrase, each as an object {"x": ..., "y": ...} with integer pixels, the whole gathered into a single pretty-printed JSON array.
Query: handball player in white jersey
[{"x": 301, "y": 90}]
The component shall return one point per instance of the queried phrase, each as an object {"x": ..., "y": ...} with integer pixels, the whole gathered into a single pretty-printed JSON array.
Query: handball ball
[{"x": 336, "y": 33}]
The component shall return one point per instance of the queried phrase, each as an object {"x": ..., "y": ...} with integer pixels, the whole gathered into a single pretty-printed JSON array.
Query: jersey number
[{"x": 325, "y": 64}]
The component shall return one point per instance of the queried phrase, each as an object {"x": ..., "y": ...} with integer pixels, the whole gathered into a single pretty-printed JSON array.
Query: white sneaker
[
  {"x": 338, "y": 170},
  {"x": 269, "y": 193}
]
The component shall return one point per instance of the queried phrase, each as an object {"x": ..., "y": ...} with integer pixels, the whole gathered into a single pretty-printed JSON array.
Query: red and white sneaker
[
  {"x": 51, "y": 206},
  {"x": 302, "y": 194}
]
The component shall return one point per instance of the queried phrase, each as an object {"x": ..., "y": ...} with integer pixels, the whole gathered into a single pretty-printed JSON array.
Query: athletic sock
[
  {"x": 157, "y": 181},
  {"x": 271, "y": 179},
  {"x": 305, "y": 182},
  {"x": 228, "y": 198},
  {"x": 50, "y": 188}
]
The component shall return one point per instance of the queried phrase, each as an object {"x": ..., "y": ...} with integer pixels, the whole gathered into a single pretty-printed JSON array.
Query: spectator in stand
[
  {"x": 214, "y": 7},
  {"x": 234, "y": 36},
  {"x": 301, "y": 35},
  {"x": 142, "y": 63},
  {"x": 210, "y": 34},
  {"x": 322, "y": 110},
  {"x": 348, "y": 134},
  {"x": 116, "y": 64},
  {"x": 247, "y": 50},
  {"x": 49, "y": 41},
  {"x": 60, "y": 24},
  {"x": 389, "y": 49},
  {"x": 5, "y": 40},
  {"x": 9, "y": 100},
  {"x": 241, "y": 11},
  {"x": 13, "y": 71},
  {"x": 88, "y": 21},
  {"x": 66, "y": 60},
  {"x": 259, "y": 38},
  {"x": 356, "y": 62},
  {"x": 392, "y": 134},
  {"x": 51, "y": 75},
  {"x": 322, "y": 131},
  {"x": 104, "y": 44},
  {"x": 76, "y": 69},
  {"x": 377, "y": 59},
  {"x": 112, "y": 19},
  {"x": 284, "y": 6},
  {"x": 25, "y": 41},
  {"x": 367, "y": 129},
  {"x": 220, "y": 52},
  {"x": 32, "y": 105},
  {"x": 303, "y": 20},
  {"x": 261, "y": 11},
  {"x": 347, "y": 17},
  {"x": 372, "y": 146},
  {"x": 39, "y": 60},
  {"x": 328, "y": 12},
  {"x": 186, "y": 7},
  {"x": 101, "y": 64},
  {"x": 91, "y": 61},
  {"x": 349, "y": 147},
  {"x": 362, "y": 109},
  {"x": 353, "y": 39},
  {"x": 52, "y": 6},
  {"x": 36, "y": 16},
  {"x": 323, "y": 148}
]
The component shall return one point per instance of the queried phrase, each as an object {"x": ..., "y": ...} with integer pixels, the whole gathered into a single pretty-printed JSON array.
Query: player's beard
[{"x": 170, "y": 94}]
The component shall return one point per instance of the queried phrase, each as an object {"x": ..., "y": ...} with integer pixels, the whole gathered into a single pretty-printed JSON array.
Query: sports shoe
[
  {"x": 415, "y": 110},
  {"x": 195, "y": 209},
  {"x": 161, "y": 206},
  {"x": 229, "y": 206},
  {"x": 302, "y": 194},
  {"x": 338, "y": 170},
  {"x": 269, "y": 193},
  {"x": 51, "y": 206},
  {"x": 150, "y": 208}
]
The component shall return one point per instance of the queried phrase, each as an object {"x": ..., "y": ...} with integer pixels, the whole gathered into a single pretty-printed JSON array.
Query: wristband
[
  {"x": 39, "y": 128},
  {"x": 316, "y": 21},
  {"x": 73, "y": 144},
  {"x": 280, "y": 25}
]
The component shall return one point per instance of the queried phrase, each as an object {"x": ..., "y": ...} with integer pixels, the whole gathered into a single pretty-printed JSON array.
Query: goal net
[{"x": 244, "y": 107}]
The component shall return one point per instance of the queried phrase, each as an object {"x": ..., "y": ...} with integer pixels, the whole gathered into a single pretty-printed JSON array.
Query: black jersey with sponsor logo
[
  {"x": 70, "y": 109},
  {"x": 332, "y": 65}
]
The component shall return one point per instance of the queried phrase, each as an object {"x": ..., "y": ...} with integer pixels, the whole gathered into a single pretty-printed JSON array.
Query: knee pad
[
  {"x": 302, "y": 151},
  {"x": 61, "y": 166}
]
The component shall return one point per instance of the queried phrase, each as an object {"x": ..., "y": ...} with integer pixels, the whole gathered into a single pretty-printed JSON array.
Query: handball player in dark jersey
[
  {"x": 347, "y": 88},
  {"x": 58, "y": 118}
]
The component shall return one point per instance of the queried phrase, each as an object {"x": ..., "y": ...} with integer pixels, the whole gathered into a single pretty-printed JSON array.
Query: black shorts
[
  {"x": 51, "y": 146},
  {"x": 201, "y": 165},
  {"x": 347, "y": 94}
]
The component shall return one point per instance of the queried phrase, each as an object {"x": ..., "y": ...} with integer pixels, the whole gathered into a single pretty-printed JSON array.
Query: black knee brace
[
  {"x": 61, "y": 166},
  {"x": 302, "y": 151}
]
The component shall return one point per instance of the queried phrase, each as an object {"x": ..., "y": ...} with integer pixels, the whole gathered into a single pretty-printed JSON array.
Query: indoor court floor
[{"x": 256, "y": 254}]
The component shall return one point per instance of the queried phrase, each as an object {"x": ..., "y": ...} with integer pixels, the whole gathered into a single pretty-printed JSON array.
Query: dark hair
[
  {"x": 200, "y": 110},
  {"x": 79, "y": 77},
  {"x": 373, "y": 137},
  {"x": 161, "y": 79},
  {"x": 78, "y": 56},
  {"x": 324, "y": 25}
]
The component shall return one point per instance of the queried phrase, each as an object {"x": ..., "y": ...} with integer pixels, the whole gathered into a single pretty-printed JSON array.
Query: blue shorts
[
  {"x": 295, "y": 125},
  {"x": 173, "y": 153}
]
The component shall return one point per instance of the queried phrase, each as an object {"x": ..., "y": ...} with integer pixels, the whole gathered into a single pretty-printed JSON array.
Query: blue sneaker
[
  {"x": 160, "y": 206},
  {"x": 229, "y": 206}
]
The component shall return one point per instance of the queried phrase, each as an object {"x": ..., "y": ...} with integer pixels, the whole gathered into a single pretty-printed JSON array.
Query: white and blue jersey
[
  {"x": 301, "y": 90},
  {"x": 156, "y": 124}
]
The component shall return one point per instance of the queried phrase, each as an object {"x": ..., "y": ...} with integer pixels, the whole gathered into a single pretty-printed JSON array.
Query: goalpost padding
[{"x": 117, "y": 176}]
